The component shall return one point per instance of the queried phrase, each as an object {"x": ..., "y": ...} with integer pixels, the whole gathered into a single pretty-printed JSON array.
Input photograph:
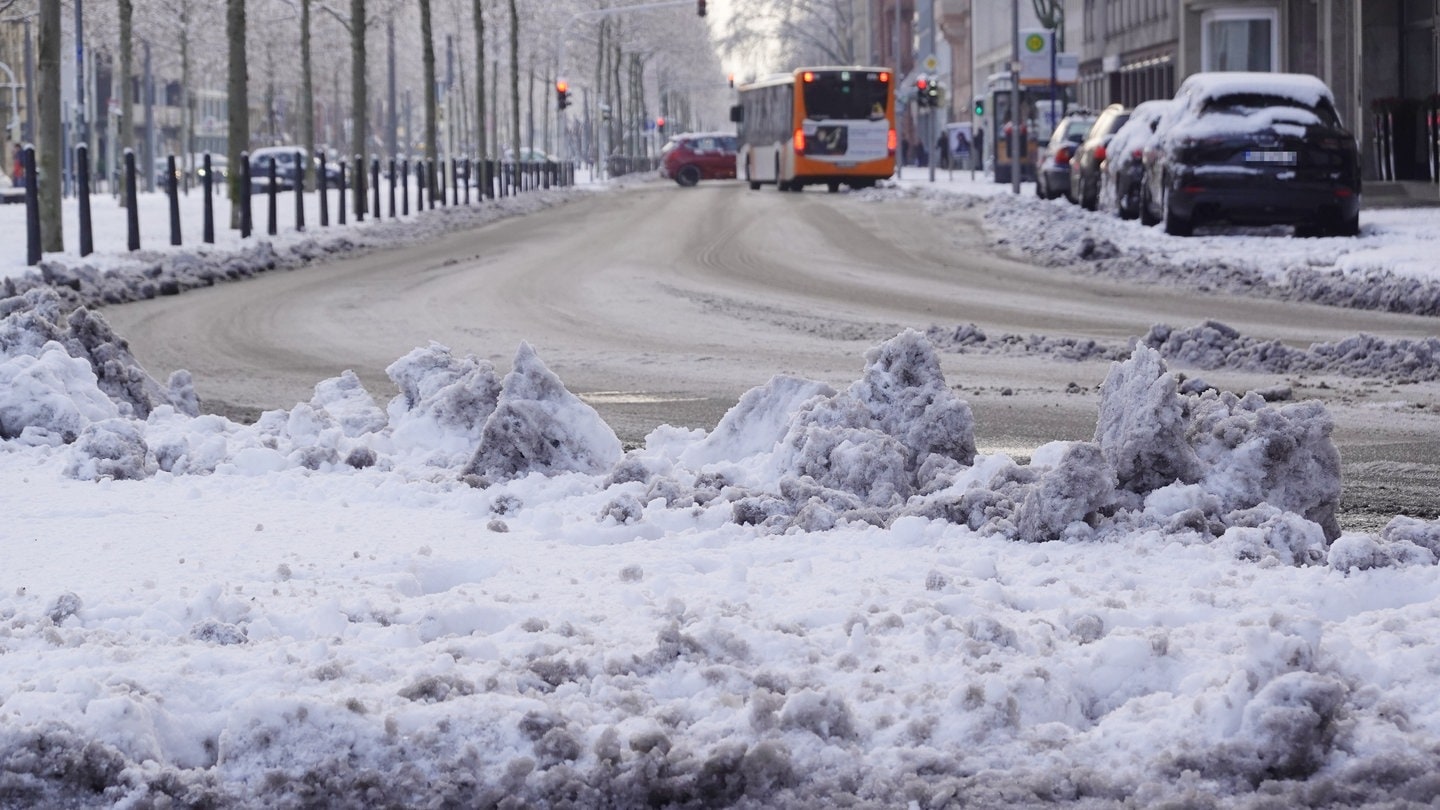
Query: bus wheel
[
  {"x": 833, "y": 186},
  {"x": 749, "y": 177},
  {"x": 796, "y": 185}
]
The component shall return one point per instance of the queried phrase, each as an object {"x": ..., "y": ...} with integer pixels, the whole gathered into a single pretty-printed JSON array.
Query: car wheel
[
  {"x": 1175, "y": 225},
  {"x": 1040, "y": 189},
  {"x": 833, "y": 187},
  {"x": 1347, "y": 227},
  {"x": 688, "y": 176}
]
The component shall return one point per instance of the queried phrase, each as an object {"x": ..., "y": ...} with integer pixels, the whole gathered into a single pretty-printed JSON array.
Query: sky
[{"x": 464, "y": 591}]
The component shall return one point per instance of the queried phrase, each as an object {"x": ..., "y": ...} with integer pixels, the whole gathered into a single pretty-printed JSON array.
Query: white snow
[{"x": 463, "y": 593}]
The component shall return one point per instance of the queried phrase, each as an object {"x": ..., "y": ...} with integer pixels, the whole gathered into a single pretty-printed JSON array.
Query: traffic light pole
[{"x": 595, "y": 14}]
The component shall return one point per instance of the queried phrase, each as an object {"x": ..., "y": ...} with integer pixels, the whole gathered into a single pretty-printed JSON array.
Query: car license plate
[
  {"x": 846, "y": 164},
  {"x": 1277, "y": 158}
]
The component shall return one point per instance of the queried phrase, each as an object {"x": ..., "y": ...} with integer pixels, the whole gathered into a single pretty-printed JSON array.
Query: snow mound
[{"x": 539, "y": 426}]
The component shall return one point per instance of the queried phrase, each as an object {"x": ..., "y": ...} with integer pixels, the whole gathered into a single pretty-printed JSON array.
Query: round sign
[
  {"x": 931, "y": 63},
  {"x": 1035, "y": 43}
]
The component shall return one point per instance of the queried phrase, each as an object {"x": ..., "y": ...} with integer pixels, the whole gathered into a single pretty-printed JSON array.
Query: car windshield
[{"x": 1250, "y": 103}]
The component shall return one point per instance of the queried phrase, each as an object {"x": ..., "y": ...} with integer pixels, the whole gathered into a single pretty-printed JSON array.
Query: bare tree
[
  {"x": 515, "y": 82},
  {"x": 359, "y": 116},
  {"x": 481, "y": 142},
  {"x": 785, "y": 33},
  {"x": 307, "y": 93},
  {"x": 127, "y": 92},
  {"x": 432, "y": 141},
  {"x": 52, "y": 235},
  {"x": 238, "y": 89}
]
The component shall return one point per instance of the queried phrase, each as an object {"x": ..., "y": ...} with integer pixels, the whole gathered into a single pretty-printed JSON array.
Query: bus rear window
[{"x": 845, "y": 94}]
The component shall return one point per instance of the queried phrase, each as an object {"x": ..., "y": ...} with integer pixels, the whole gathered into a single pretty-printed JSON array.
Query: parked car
[
  {"x": 1122, "y": 172},
  {"x": 1254, "y": 148},
  {"x": 529, "y": 155},
  {"x": 286, "y": 169},
  {"x": 1052, "y": 161},
  {"x": 1085, "y": 163},
  {"x": 691, "y": 157}
]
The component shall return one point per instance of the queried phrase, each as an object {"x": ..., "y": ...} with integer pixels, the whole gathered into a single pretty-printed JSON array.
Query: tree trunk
[
  {"x": 307, "y": 94},
  {"x": 515, "y": 81},
  {"x": 359, "y": 117},
  {"x": 238, "y": 90},
  {"x": 126, "y": 135},
  {"x": 481, "y": 142},
  {"x": 52, "y": 235},
  {"x": 427, "y": 74}
]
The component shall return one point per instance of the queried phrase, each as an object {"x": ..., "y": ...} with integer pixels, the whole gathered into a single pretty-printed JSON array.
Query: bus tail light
[
  {"x": 890, "y": 143},
  {"x": 799, "y": 141},
  {"x": 1099, "y": 154}
]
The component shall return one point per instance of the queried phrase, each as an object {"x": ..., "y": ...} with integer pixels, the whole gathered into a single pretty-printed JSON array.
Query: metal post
[
  {"x": 341, "y": 206},
  {"x": 272, "y": 225},
  {"x": 405, "y": 187},
  {"x": 299, "y": 191},
  {"x": 358, "y": 195},
  {"x": 32, "y": 207},
  {"x": 132, "y": 213},
  {"x": 208, "y": 185},
  {"x": 322, "y": 184},
  {"x": 172, "y": 190},
  {"x": 1015, "y": 96},
  {"x": 247, "y": 216},
  {"x": 392, "y": 187},
  {"x": 82, "y": 165}
]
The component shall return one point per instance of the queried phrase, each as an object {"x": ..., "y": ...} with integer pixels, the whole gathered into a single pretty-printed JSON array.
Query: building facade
[{"x": 1378, "y": 56}]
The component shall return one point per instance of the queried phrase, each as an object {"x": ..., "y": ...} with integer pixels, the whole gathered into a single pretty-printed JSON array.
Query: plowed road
[{"x": 663, "y": 305}]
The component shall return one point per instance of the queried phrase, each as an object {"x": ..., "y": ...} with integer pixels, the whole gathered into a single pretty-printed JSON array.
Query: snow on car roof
[{"x": 1304, "y": 88}]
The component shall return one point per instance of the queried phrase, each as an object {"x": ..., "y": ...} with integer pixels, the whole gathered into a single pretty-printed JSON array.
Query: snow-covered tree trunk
[
  {"x": 126, "y": 135},
  {"x": 52, "y": 237},
  {"x": 238, "y": 89},
  {"x": 359, "y": 118}
]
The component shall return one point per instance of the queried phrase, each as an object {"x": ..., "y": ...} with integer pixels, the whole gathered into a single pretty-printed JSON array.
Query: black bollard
[
  {"x": 322, "y": 184},
  {"x": 299, "y": 191},
  {"x": 405, "y": 187},
  {"x": 392, "y": 188},
  {"x": 247, "y": 215},
  {"x": 32, "y": 208},
  {"x": 466, "y": 170},
  {"x": 208, "y": 185},
  {"x": 340, "y": 205},
  {"x": 87, "y": 231},
  {"x": 132, "y": 214},
  {"x": 454, "y": 185},
  {"x": 420, "y": 186},
  {"x": 172, "y": 189},
  {"x": 358, "y": 195},
  {"x": 271, "y": 223}
]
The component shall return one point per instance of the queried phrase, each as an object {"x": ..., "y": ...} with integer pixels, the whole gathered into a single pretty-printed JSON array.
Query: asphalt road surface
[{"x": 662, "y": 305}]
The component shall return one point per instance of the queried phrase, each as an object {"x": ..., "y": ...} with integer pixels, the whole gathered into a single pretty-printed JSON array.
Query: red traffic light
[
  {"x": 562, "y": 86},
  {"x": 921, "y": 83},
  {"x": 700, "y": 7}
]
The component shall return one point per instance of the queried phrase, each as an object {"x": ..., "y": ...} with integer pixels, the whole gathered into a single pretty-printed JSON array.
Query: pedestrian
[
  {"x": 979, "y": 150},
  {"x": 921, "y": 158},
  {"x": 942, "y": 150}
]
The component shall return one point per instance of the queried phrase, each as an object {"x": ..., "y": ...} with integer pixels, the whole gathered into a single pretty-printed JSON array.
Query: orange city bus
[{"x": 817, "y": 125}]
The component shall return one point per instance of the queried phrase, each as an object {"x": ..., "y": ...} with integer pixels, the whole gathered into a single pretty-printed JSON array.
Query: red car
[{"x": 694, "y": 156}]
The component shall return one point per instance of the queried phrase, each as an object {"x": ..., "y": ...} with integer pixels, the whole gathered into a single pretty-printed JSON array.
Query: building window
[{"x": 1240, "y": 39}]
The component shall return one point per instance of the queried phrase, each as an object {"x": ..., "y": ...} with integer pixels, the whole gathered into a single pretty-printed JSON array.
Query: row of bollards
[{"x": 489, "y": 178}]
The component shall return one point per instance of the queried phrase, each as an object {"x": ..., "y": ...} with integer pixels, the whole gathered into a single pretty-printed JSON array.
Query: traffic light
[
  {"x": 660, "y": 124},
  {"x": 562, "y": 94},
  {"x": 927, "y": 91},
  {"x": 980, "y": 106},
  {"x": 700, "y": 7}
]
